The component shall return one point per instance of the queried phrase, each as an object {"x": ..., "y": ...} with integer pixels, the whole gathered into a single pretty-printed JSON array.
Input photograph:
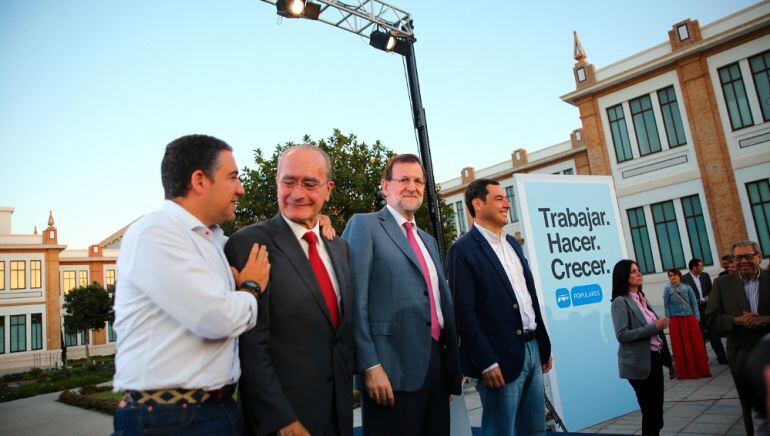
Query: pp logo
[
  {"x": 579, "y": 296},
  {"x": 562, "y": 298}
]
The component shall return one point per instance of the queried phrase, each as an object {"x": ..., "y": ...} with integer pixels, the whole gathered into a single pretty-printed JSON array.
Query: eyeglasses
[
  {"x": 308, "y": 184},
  {"x": 405, "y": 182},
  {"x": 740, "y": 257}
]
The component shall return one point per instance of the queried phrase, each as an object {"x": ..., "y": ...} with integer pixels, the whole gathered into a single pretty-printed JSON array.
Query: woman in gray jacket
[{"x": 641, "y": 346}]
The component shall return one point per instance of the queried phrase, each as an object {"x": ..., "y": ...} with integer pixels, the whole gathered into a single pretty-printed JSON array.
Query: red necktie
[
  {"x": 322, "y": 277},
  {"x": 435, "y": 330}
]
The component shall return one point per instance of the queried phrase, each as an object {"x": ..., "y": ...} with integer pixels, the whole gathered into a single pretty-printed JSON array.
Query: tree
[
  {"x": 86, "y": 308},
  {"x": 357, "y": 173}
]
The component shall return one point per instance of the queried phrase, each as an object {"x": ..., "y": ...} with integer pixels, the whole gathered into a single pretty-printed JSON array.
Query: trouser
[
  {"x": 518, "y": 408},
  {"x": 649, "y": 393},
  {"x": 421, "y": 412},
  {"x": 179, "y": 419},
  {"x": 714, "y": 338}
]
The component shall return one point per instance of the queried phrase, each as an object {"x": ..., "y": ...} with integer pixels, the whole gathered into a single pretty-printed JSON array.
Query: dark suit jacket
[
  {"x": 488, "y": 314},
  {"x": 705, "y": 284},
  {"x": 727, "y": 301},
  {"x": 294, "y": 364},
  {"x": 391, "y": 309}
]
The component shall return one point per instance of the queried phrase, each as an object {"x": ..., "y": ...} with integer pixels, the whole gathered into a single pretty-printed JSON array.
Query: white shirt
[
  {"x": 177, "y": 315},
  {"x": 400, "y": 220},
  {"x": 515, "y": 272},
  {"x": 299, "y": 231},
  {"x": 698, "y": 285}
]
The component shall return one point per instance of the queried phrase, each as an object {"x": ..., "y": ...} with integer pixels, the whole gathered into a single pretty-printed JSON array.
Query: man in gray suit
[
  {"x": 739, "y": 307},
  {"x": 404, "y": 328},
  {"x": 298, "y": 361}
]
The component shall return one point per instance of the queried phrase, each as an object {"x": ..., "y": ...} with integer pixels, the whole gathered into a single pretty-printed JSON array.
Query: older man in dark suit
[
  {"x": 739, "y": 306},
  {"x": 298, "y": 361}
]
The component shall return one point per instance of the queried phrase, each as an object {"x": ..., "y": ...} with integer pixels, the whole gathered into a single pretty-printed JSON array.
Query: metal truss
[{"x": 361, "y": 17}]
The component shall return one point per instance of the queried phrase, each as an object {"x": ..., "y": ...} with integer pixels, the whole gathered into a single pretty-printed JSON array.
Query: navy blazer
[{"x": 486, "y": 309}]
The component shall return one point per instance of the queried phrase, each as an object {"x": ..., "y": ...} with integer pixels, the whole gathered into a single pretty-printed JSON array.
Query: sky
[{"x": 91, "y": 91}]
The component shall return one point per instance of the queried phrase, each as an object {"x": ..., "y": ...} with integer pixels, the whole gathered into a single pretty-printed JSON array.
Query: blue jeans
[
  {"x": 178, "y": 419},
  {"x": 518, "y": 408}
]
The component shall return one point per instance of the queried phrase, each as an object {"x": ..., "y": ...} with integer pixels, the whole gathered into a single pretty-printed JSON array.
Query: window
[
  {"x": 68, "y": 277},
  {"x": 2, "y": 274},
  {"x": 667, "y": 232},
  {"x": 36, "y": 330},
  {"x": 2, "y": 335},
  {"x": 735, "y": 96},
  {"x": 672, "y": 119},
  {"x": 568, "y": 172},
  {"x": 759, "y": 199},
  {"x": 460, "y": 218},
  {"x": 760, "y": 69},
  {"x": 35, "y": 274},
  {"x": 70, "y": 340},
  {"x": 510, "y": 195},
  {"x": 18, "y": 274},
  {"x": 111, "y": 336},
  {"x": 109, "y": 280},
  {"x": 83, "y": 337},
  {"x": 641, "y": 240},
  {"x": 619, "y": 133},
  {"x": 644, "y": 125},
  {"x": 18, "y": 333},
  {"x": 696, "y": 229},
  {"x": 83, "y": 279}
]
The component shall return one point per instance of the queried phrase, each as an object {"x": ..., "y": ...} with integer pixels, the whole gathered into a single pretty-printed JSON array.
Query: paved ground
[
  {"x": 707, "y": 406},
  {"x": 43, "y": 415}
]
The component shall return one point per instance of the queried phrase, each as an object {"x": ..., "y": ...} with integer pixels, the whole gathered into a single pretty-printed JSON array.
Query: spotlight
[
  {"x": 382, "y": 41},
  {"x": 298, "y": 9},
  {"x": 386, "y": 42}
]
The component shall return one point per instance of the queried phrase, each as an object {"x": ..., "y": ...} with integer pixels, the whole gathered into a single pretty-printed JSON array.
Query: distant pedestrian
[
  {"x": 681, "y": 307},
  {"x": 700, "y": 283}
]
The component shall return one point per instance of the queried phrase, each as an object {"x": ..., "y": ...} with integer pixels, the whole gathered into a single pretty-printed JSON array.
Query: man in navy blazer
[
  {"x": 503, "y": 339},
  {"x": 403, "y": 321}
]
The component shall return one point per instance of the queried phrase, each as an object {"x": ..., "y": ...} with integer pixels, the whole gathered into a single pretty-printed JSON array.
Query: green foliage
[
  {"x": 37, "y": 381},
  {"x": 89, "y": 307},
  {"x": 357, "y": 175}
]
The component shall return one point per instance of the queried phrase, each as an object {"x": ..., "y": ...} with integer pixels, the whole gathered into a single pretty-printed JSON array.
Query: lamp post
[{"x": 390, "y": 29}]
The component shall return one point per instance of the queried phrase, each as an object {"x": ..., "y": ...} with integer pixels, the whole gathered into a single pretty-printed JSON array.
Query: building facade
[
  {"x": 35, "y": 274},
  {"x": 683, "y": 128}
]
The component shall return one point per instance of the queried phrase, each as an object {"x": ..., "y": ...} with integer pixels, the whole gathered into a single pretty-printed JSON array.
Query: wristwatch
[{"x": 253, "y": 287}]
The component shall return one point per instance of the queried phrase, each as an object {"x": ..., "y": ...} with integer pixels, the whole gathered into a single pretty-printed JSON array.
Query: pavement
[{"x": 707, "y": 406}]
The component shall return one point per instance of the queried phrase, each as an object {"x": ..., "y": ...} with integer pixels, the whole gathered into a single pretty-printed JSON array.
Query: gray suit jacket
[
  {"x": 294, "y": 364},
  {"x": 633, "y": 334},
  {"x": 391, "y": 311},
  {"x": 727, "y": 301}
]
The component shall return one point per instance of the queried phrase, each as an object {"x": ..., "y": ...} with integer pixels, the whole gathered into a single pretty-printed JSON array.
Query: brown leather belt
[{"x": 180, "y": 396}]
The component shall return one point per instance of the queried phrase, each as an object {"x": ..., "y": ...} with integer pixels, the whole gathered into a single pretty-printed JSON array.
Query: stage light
[
  {"x": 298, "y": 9},
  {"x": 382, "y": 41}
]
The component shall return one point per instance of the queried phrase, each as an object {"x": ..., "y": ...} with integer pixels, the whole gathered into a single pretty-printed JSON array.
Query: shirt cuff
[
  {"x": 372, "y": 367},
  {"x": 490, "y": 368},
  {"x": 253, "y": 308}
]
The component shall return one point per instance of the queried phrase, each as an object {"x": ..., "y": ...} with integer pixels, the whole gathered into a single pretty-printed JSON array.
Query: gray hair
[
  {"x": 747, "y": 244},
  {"x": 329, "y": 173}
]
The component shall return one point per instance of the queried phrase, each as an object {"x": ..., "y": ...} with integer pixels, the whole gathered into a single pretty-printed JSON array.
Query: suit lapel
[
  {"x": 763, "y": 305},
  {"x": 739, "y": 293},
  {"x": 635, "y": 309},
  {"x": 397, "y": 235},
  {"x": 285, "y": 241},
  {"x": 493, "y": 259},
  {"x": 338, "y": 262}
]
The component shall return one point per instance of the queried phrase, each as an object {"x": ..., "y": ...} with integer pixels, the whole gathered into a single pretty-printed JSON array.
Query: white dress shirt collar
[
  {"x": 299, "y": 230},
  {"x": 190, "y": 221},
  {"x": 489, "y": 234},
  {"x": 400, "y": 220}
]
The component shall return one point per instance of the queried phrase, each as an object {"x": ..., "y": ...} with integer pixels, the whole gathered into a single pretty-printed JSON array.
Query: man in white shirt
[
  {"x": 177, "y": 312},
  {"x": 503, "y": 339}
]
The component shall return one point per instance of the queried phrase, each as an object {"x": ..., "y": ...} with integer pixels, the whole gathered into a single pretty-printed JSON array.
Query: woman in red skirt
[{"x": 679, "y": 302}]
